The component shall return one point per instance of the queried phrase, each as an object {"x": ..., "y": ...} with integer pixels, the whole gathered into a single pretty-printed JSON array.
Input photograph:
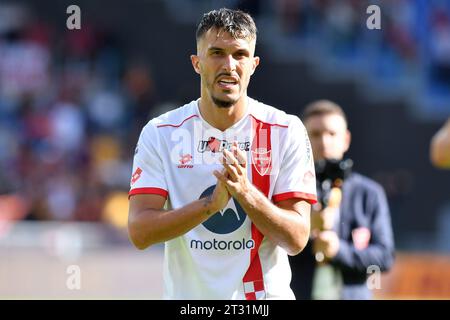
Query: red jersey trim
[
  {"x": 177, "y": 125},
  {"x": 269, "y": 124},
  {"x": 157, "y": 191},
  {"x": 310, "y": 198}
]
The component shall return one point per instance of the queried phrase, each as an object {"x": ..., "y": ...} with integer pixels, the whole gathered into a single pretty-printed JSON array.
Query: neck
[{"x": 222, "y": 118}]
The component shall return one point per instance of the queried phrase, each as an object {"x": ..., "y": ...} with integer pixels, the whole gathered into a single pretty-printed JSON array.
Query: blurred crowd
[
  {"x": 412, "y": 48},
  {"x": 414, "y": 41},
  {"x": 73, "y": 102},
  {"x": 71, "y": 108}
]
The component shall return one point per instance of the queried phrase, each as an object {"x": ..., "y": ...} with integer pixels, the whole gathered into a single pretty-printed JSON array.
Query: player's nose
[{"x": 229, "y": 63}]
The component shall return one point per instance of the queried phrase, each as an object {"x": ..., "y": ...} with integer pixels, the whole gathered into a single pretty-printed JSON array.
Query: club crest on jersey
[{"x": 262, "y": 160}]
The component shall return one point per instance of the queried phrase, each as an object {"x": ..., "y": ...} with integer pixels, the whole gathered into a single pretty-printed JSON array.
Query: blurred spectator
[
  {"x": 343, "y": 22},
  {"x": 13, "y": 205},
  {"x": 24, "y": 65},
  {"x": 400, "y": 21},
  {"x": 351, "y": 228},
  {"x": 141, "y": 94},
  {"x": 440, "y": 46},
  {"x": 61, "y": 196},
  {"x": 67, "y": 127},
  {"x": 106, "y": 112},
  {"x": 289, "y": 15}
]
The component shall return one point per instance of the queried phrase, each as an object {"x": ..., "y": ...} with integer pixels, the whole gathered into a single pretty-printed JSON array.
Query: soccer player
[
  {"x": 238, "y": 177},
  {"x": 440, "y": 147}
]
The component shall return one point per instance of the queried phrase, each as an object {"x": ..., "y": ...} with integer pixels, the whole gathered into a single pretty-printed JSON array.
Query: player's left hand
[{"x": 235, "y": 163}]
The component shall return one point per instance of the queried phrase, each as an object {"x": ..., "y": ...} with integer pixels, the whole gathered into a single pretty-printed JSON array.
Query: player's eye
[{"x": 240, "y": 54}]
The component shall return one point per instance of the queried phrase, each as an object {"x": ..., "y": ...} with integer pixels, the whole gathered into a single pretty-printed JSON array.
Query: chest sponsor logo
[
  {"x": 215, "y": 244},
  {"x": 226, "y": 220},
  {"x": 215, "y": 145}
]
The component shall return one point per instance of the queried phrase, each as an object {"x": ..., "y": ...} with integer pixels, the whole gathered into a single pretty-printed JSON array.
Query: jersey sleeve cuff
[
  {"x": 308, "y": 197},
  {"x": 157, "y": 191}
]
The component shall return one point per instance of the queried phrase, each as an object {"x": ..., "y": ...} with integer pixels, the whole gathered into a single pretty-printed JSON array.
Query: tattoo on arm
[{"x": 206, "y": 204}]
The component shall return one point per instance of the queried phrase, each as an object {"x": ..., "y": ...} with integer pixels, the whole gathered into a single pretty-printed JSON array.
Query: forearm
[
  {"x": 287, "y": 228},
  {"x": 150, "y": 226},
  {"x": 350, "y": 258}
]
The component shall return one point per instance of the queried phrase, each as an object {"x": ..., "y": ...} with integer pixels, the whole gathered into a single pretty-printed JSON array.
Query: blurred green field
[
  {"x": 35, "y": 264},
  {"x": 40, "y": 260}
]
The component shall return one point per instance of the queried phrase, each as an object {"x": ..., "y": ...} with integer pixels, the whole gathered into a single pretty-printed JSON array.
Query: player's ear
[
  {"x": 348, "y": 140},
  {"x": 255, "y": 64},
  {"x": 195, "y": 63}
]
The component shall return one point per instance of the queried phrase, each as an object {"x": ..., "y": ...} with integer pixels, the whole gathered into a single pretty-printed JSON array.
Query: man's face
[
  {"x": 225, "y": 65},
  {"x": 329, "y": 136}
]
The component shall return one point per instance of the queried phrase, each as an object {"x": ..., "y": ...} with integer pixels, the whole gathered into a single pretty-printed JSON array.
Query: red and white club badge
[
  {"x": 262, "y": 160},
  {"x": 361, "y": 238}
]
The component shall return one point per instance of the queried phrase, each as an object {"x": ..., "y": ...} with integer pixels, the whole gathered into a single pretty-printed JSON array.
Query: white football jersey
[{"x": 225, "y": 257}]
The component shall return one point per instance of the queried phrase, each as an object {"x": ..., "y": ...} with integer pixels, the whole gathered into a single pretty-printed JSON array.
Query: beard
[{"x": 222, "y": 103}]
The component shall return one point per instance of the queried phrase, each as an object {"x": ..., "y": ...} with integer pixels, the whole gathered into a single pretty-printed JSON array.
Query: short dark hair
[
  {"x": 322, "y": 107},
  {"x": 236, "y": 22}
]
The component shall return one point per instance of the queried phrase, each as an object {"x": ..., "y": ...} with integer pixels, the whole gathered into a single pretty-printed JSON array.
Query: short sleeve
[
  {"x": 148, "y": 171},
  {"x": 296, "y": 178}
]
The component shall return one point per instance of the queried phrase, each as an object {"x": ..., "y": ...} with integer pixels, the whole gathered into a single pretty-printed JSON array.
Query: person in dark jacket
[{"x": 351, "y": 234}]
